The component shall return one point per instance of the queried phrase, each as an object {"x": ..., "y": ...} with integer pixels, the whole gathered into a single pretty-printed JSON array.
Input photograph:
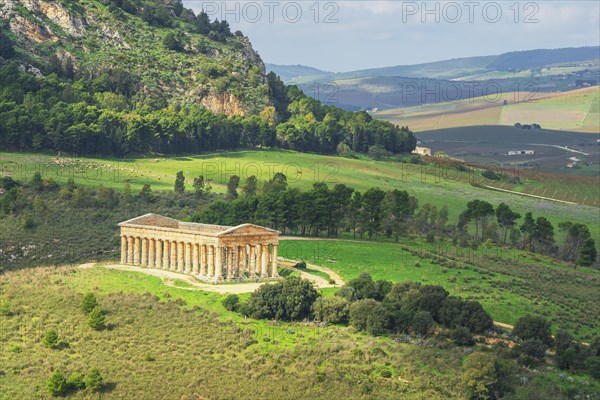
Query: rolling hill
[
  {"x": 577, "y": 110},
  {"x": 437, "y": 82}
]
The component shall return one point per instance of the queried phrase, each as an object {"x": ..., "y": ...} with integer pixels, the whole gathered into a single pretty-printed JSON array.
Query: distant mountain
[
  {"x": 542, "y": 70},
  {"x": 291, "y": 72}
]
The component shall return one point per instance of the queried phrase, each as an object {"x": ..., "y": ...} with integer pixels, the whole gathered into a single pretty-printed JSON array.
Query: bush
[
  {"x": 76, "y": 381},
  {"x": 289, "y": 300},
  {"x": 369, "y": 315},
  {"x": 88, "y": 303},
  {"x": 533, "y": 327},
  {"x": 593, "y": 366},
  {"x": 94, "y": 380},
  {"x": 96, "y": 319},
  {"x": 300, "y": 264},
  {"x": 51, "y": 339},
  {"x": 532, "y": 349},
  {"x": 57, "y": 384},
  {"x": 231, "y": 302},
  {"x": 422, "y": 322},
  {"x": 333, "y": 310},
  {"x": 462, "y": 336}
]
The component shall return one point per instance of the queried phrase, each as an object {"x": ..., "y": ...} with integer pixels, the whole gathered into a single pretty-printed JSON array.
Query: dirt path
[{"x": 169, "y": 277}]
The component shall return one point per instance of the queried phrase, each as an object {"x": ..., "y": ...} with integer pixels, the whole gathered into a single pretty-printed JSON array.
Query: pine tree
[{"x": 179, "y": 183}]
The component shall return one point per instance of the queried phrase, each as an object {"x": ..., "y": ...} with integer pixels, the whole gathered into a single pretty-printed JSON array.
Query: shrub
[
  {"x": 51, "y": 339},
  {"x": 333, "y": 310},
  {"x": 532, "y": 349},
  {"x": 422, "y": 322},
  {"x": 475, "y": 317},
  {"x": 479, "y": 375},
  {"x": 533, "y": 327},
  {"x": 5, "y": 308},
  {"x": 593, "y": 366},
  {"x": 289, "y": 300},
  {"x": 300, "y": 264},
  {"x": 231, "y": 302},
  {"x": 57, "y": 384},
  {"x": 462, "y": 336},
  {"x": 94, "y": 380},
  {"x": 76, "y": 381},
  {"x": 88, "y": 303},
  {"x": 369, "y": 315},
  {"x": 96, "y": 318}
]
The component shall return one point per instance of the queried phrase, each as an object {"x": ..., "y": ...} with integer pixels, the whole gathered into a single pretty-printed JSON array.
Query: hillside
[
  {"x": 289, "y": 73},
  {"x": 453, "y": 80},
  {"x": 155, "y": 51},
  {"x": 576, "y": 110}
]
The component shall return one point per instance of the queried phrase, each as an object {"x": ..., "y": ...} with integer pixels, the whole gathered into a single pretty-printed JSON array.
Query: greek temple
[{"x": 209, "y": 252}]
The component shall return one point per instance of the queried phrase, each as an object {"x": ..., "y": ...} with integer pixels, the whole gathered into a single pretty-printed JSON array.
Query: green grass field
[
  {"x": 508, "y": 283},
  {"x": 433, "y": 184}
]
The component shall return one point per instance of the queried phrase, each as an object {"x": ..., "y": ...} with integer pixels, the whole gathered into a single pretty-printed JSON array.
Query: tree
[
  {"x": 37, "y": 183},
  {"x": 479, "y": 375},
  {"x": 422, "y": 322},
  {"x": 533, "y": 327},
  {"x": 145, "y": 194},
  {"x": 51, "y": 339},
  {"x": 232, "y": 185},
  {"x": 369, "y": 315},
  {"x": 331, "y": 309},
  {"x": 479, "y": 211},
  {"x": 76, "y": 381},
  {"x": 250, "y": 187},
  {"x": 372, "y": 210},
  {"x": 171, "y": 41},
  {"x": 94, "y": 380},
  {"x": 96, "y": 319},
  {"x": 231, "y": 302},
  {"x": 88, "y": 303},
  {"x": 57, "y": 384},
  {"x": 530, "y": 351},
  {"x": 462, "y": 336},
  {"x": 506, "y": 219},
  {"x": 587, "y": 253},
  {"x": 199, "y": 186},
  {"x": 179, "y": 183},
  {"x": 289, "y": 300}
]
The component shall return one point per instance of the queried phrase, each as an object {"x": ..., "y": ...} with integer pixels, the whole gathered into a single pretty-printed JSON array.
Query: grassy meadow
[
  {"x": 508, "y": 283},
  {"x": 430, "y": 183},
  {"x": 171, "y": 342}
]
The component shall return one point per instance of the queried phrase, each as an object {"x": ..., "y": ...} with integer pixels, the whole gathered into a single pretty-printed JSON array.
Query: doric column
[
  {"x": 195, "y": 258},
  {"x": 144, "y": 260},
  {"x": 252, "y": 261},
  {"x": 180, "y": 251},
  {"x": 166, "y": 254},
  {"x": 123, "y": 249},
  {"x": 263, "y": 259},
  {"x": 204, "y": 258},
  {"x": 229, "y": 262},
  {"x": 151, "y": 253},
  {"x": 258, "y": 264},
  {"x": 211, "y": 260},
  {"x": 173, "y": 252},
  {"x": 130, "y": 249},
  {"x": 188, "y": 257},
  {"x": 159, "y": 253},
  {"x": 136, "y": 251},
  {"x": 274, "y": 261},
  {"x": 218, "y": 262},
  {"x": 241, "y": 260}
]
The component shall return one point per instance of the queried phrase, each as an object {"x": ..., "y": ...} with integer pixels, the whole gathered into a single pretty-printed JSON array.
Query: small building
[
  {"x": 209, "y": 252},
  {"x": 521, "y": 152},
  {"x": 424, "y": 151}
]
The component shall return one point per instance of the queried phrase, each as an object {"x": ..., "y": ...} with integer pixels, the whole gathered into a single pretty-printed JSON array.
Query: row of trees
[
  {"x": 392, "y": 213},
  {"x": 99, "y": 115},
  {"x": 376, "y": 307}
]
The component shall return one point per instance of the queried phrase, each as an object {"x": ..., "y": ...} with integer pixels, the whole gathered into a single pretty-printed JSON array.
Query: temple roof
[{"x": 154, "y": 220}]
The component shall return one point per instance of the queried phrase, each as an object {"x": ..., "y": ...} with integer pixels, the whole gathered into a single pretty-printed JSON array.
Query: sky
[{"x": 344, "y": 36}]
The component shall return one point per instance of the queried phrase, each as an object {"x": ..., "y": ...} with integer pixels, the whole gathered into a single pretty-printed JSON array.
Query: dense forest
[{"x": 58, "y": 105}]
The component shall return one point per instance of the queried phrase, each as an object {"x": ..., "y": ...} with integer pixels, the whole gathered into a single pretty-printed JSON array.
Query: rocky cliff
[{"x": 220, "y": 72}]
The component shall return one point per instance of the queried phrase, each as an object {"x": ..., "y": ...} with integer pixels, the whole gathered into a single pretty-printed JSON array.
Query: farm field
[
  {"x": 508, "y": 283},
  {"x": 433, "y": 184},
  {"x": 575, "y": 110},
  {"x": 486, "y": 145}
]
